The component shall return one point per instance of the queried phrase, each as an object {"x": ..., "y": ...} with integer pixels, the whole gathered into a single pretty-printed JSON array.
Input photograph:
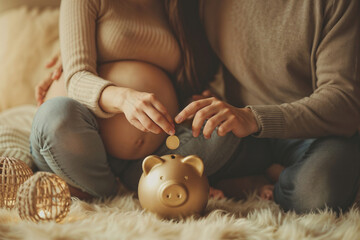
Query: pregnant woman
[{"x": 119, "y": 58}]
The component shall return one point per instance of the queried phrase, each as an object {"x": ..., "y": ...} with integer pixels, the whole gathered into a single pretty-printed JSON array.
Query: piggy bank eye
[
  {"x": 186, "y": 177},
  {"x": 161, "y": 177}
]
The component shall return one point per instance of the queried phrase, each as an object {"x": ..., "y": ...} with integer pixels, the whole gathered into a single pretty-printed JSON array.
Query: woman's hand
[
  {"x": 143, "y": 110},
  {"x": 227, "y": 118},
  {"x": 147, "y": 113},
  {"x": 42, "y": 88}
]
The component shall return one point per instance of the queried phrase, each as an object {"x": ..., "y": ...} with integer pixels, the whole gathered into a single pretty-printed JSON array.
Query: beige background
[
  {"x": 29, "y": 38},
  {"x": 9, "y": 4}
]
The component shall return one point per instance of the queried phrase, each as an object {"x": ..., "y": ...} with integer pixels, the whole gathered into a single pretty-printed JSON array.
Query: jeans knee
[
  {"x": 305, "y": 199},
  {"x": 59, "y": 113},
  {"x": 65, "y": 139},
  {"x": 328, "y": 178},
  {"x": 301, "y": 197}
]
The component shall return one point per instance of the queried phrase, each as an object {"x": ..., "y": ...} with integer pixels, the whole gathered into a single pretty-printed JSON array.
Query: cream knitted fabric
[
  {"x": 297, "y": 63},
  {"x": 93, "y": 32},
  {"x": 15, "y": 126}
]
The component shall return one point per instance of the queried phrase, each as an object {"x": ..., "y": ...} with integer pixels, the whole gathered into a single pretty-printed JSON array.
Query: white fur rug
[{"x": 122, "y": 218}]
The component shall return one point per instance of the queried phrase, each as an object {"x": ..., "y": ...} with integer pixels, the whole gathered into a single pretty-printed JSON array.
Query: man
[{"x": 292, "y": 82}]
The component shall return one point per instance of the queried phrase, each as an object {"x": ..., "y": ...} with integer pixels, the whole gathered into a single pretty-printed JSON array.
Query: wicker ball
[
  {"x": 43, "y": 197},
  {"x": 13, "y": 173}
]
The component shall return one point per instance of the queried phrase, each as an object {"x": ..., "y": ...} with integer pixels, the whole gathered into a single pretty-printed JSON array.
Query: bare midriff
[{"x": 121, "y": 139}]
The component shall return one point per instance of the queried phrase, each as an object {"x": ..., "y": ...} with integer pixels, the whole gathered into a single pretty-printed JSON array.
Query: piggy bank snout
[{"x": 173, "y": 194}]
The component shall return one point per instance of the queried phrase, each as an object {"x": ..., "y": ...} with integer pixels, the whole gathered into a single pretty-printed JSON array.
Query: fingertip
[
  {"x": 56, "y": 76},
  {"x": 221, "y": 132},
  {"x": 53, "y": 75},
  {"x": 205, "y": 135},
  {"x": 206, "y": 93},
  {"x": 48, "y": 64},
  {"x": 195, "y": 134},
  {"x": 177, "y": 118}
]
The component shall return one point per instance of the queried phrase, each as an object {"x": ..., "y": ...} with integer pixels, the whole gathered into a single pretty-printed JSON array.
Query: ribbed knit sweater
[
  {"x": 93, "y": 32},
  {"x": 294, "y": 62}
]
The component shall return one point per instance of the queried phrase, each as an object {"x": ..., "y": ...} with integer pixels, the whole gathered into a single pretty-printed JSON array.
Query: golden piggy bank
[{"x": 173, "y": 186}]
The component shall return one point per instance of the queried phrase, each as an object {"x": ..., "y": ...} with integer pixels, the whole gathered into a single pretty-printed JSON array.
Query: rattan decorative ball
[
  {"x": 13, "y": 173},
  {"x": 43, "y": 197}
]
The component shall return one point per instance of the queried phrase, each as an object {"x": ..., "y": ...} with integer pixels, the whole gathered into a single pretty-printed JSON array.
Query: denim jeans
[
  {"x": 65, "y": 140},
  {"x": 319, "y": 172}
]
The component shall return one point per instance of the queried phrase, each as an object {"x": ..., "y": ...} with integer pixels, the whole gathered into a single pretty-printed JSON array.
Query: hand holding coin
[{"x": 172, "y": 142}]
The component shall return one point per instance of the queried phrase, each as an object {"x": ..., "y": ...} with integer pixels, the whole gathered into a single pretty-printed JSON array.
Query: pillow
[
  {"x": 29, "y": 38},
  {"x": 15, "y": 126}
]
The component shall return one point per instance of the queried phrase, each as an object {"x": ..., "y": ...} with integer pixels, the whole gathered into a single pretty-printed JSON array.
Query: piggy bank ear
[
  {"x": 195, "y": 162},
  {"x": 150, "y": 162}
]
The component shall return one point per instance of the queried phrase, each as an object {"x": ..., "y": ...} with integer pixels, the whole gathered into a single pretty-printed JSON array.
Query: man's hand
[
  {"x": 42, "y": 87},
  {"x": 240, "y": 121}
]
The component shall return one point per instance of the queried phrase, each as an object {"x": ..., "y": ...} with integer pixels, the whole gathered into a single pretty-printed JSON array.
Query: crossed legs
[{"x": 318, "y": 172}]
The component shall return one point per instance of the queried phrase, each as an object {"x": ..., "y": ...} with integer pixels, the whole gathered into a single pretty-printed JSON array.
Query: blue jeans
[
  {"x": 319, "y": 172},
  {"x": 65, "y": 140}
]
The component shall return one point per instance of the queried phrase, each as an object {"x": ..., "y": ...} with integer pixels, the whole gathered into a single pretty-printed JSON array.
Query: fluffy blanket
[{"x": 123, "y": 218}]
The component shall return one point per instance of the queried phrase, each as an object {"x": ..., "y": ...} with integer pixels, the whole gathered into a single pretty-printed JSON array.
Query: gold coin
[{"x": 172, "y": 142}]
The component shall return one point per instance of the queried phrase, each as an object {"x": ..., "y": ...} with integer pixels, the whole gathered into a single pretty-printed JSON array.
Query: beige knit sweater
[
  {"x": 93, "y": 32},
  {"x": 295, "y": 62}
]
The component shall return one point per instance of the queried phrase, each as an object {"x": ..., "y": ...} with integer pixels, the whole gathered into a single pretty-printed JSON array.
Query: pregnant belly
[{"x": 121, "y": 139}]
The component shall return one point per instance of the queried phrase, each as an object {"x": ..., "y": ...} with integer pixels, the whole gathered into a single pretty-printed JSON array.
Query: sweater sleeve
[
  {"x": 334, "y": 106},
  {"x": 78, "y": 52}
]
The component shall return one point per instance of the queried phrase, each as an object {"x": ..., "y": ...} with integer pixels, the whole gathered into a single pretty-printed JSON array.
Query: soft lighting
[
  {"x": 13, "y": 173},
  {"x": 44, "y": 197},
  {"x": 41, "y": 214}
]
